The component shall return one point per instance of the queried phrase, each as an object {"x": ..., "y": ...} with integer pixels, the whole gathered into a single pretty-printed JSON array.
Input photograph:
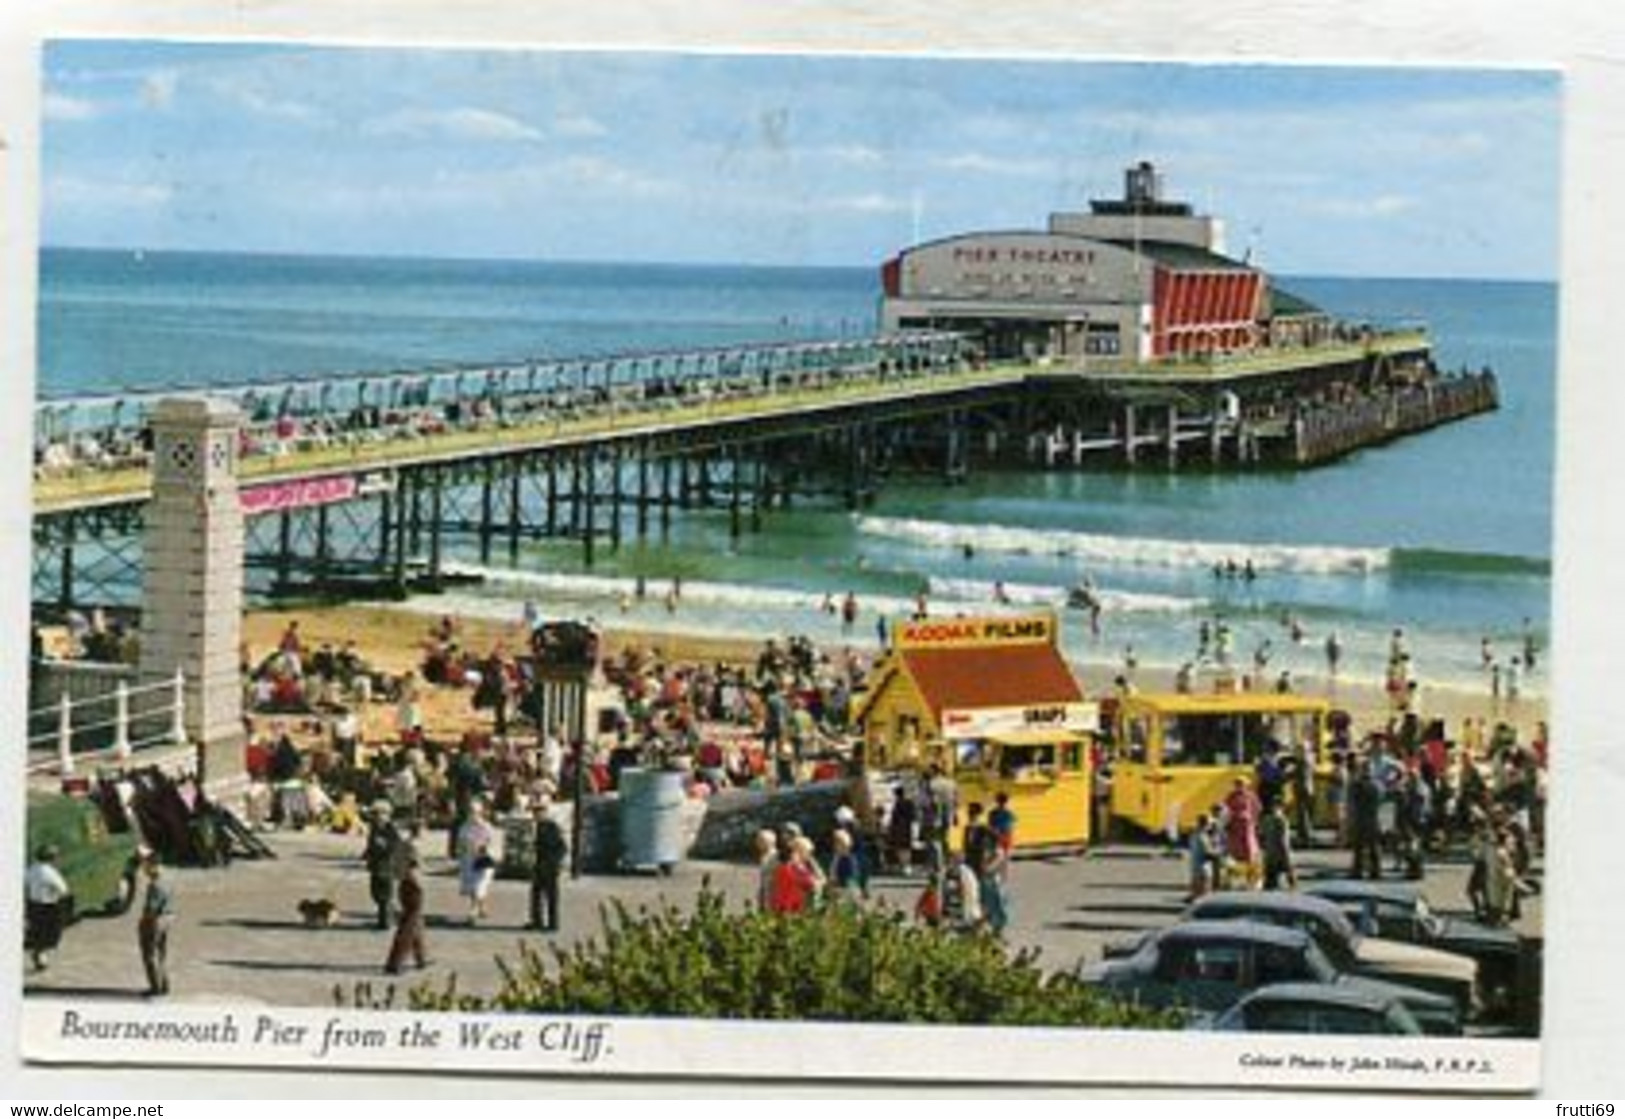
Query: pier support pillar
[
  {"x": 665, "y": 497},
  {"x": 616, "y": 462},
  {"x": 734, "y": 488},
  {"x": 397, "y": 576},
  {"x": 437, "y": 497},
  {"x": 516, "y": 509},
  {"x": 70, "y": 529},
  {"x": 1129, "y": 435},
  {"x": 552, "y": 495},
  {"x": 284, "y": 550},
  {"x": 1173, "y": 437},
  {"x": 487, "y": 510},
  {"x": 758, "y": 492},
  {"x": 643, "y": 491},
  {"x": 321, "y": 565},
  {"x": 589, "y": 529},
  {"x": 575, "y": 492}
]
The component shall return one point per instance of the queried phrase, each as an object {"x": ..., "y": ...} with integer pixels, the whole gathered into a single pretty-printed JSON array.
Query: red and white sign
[
  {"x": 981, "y": 722},
  {"x": 303, "y": 494}
]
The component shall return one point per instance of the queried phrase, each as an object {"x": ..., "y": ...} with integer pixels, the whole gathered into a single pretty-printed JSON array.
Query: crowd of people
[
  {"x": 280, "y": 428},
  {"x": 1393, "y": 800}
]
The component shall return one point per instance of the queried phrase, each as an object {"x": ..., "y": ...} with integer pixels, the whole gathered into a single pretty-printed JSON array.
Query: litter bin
[{"x": 651, "y": 814}]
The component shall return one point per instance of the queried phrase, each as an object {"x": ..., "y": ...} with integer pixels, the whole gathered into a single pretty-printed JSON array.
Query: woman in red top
[
  {"x": 797, "y": 880},
  {"x": 1241, "y": 829}
]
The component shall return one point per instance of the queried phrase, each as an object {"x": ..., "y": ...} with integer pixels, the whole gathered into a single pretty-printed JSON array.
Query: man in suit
[{"x": 547, "y": 861}]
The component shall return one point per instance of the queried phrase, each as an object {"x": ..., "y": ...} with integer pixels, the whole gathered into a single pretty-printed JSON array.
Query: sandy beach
[{"x": 392, "y": 637}]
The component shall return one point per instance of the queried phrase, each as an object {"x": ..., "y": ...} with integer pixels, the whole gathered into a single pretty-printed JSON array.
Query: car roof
[
  {"x": 1400, "y": 893},
  {"x": 1268, "y": 900},
  {"x": 1241, "y": 931},
  {"x": 1356, "y": 995}
]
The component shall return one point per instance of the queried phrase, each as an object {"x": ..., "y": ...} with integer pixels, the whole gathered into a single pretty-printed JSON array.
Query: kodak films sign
[{"x": 965, "y": 633}]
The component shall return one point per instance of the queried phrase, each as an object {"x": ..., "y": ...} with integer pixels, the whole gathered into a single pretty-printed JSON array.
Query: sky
[{"x": 782, "y": 159}]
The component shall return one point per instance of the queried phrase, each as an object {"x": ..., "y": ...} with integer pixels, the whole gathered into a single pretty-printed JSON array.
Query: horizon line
[{"x": 432, "y": 258}]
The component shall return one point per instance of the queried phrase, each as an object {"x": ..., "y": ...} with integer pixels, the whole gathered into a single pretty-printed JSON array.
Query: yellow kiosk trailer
[
  {"x": 1175, "y": 756},
  {"x": 993, "y": 702}
]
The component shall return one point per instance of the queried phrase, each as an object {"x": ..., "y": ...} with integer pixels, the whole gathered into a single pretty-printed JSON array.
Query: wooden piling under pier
[{"x": 1330, "y": 431}]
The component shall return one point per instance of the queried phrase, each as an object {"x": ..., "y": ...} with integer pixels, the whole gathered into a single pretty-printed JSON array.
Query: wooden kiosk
[{"x": 994, "y": 703}]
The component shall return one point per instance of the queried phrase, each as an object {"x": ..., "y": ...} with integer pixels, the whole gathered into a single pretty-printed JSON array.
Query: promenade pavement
[{"x": 238, "y": 936}]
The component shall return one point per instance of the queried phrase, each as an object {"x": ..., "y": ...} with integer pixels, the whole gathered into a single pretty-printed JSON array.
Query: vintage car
[
  {"x": 98, "y": 861},
  {"x": 1400, "y": 911},
  {"x": 1412, "y": 965},
  {"x": 1318, "y": 1008},
  {"x": 1205, "y": 967}
]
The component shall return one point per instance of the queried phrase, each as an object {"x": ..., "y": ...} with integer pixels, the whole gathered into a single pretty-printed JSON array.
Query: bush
[{"x": 838, "y": 964}]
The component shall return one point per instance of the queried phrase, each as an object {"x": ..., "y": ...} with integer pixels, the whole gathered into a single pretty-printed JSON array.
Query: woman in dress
[{"x": 476, "y": 863}]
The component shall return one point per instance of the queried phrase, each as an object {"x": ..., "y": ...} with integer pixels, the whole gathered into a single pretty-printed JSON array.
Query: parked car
[
  {"x": 1412, "y": 965},
  {"x": 1319, "y": 1008},
  {"x": 98, "y": 859},
  {"x": 1400, "y": 911},
  {"x": 1205, "y": 967}
]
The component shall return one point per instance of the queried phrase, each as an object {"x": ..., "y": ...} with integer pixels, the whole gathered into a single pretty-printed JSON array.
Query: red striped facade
[{"x": 1202, "y": 312}]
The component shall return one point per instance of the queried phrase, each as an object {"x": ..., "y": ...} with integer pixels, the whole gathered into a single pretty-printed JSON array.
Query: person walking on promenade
[
  {"x": 767, "y": 865},
  {"x": 382, "y": 856},
  {"x": 1275, "y": 837},
  {"x": 900, "y": 826},
  {"x": 476, "y": 866},
  {"x": 409, "y": 933},
  {"x": 797, "y": 881},
  {"x": 1003, "y": 822},
  {"x": 845, "y": 878},
  {"x": 1242, "y": 812},
  {"x": 46, "y": 896},
  {"x": 1364, "y": 819},
  {"x": 547, "y": 862},
  {"x": 1205, "y": 858},
  {"x": 152, "y": 931}
]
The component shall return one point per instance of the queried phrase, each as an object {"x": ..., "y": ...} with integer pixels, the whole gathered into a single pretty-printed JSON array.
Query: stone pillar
[{"x": 192, "y": 583}]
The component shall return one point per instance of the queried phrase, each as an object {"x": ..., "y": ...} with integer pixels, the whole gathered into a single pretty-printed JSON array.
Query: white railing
[{"x": 169, "y": 713}]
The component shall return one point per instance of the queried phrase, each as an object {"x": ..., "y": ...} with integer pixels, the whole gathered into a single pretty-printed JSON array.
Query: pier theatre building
[{"x": 1137, "y": 279}]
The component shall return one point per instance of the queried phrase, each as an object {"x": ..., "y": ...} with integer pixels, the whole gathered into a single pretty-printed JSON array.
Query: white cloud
[
  {"x": 452, "y": 124},
  {"x": 855, "y": 154},
  {"x": 74, "y": 192},
  {"x": 59, "y": 106},
  {"x": 979, "y": 163},
  {"x": 872, "y": 203},
  {"x": 247, "y": 93},
  {"x": 606, "y": 174},
  {"x": 1377, "y": 206},
  {"x": 577, "y": 126}
]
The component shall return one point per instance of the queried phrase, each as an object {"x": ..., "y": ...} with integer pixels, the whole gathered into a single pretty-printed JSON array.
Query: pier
[{"x": 362, "y": 484}]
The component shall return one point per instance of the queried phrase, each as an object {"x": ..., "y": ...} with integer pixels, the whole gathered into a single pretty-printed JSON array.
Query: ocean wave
[
  {"x": 611, "y": 588},
  {"x": 1031, "y": 594},
  {"x": 1444, "y": 562},
  {"x": 1129, "y": 551}
]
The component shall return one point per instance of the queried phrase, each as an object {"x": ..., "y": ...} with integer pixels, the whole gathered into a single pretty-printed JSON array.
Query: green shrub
[{"x": 837, "y": 964}]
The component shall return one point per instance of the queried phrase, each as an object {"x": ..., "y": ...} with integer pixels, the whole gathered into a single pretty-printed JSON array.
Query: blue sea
[{"x": 1447, "y": 534}]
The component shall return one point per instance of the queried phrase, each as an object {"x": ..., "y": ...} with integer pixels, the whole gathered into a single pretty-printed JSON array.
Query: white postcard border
[{"x": 246, "y": 1036}]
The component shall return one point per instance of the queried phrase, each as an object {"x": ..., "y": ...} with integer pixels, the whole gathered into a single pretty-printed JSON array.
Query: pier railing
[
  {"x": 413, "y": 440},
  {"x": 1262, "y": 362},
  {"x": 99, "y": 716}
]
